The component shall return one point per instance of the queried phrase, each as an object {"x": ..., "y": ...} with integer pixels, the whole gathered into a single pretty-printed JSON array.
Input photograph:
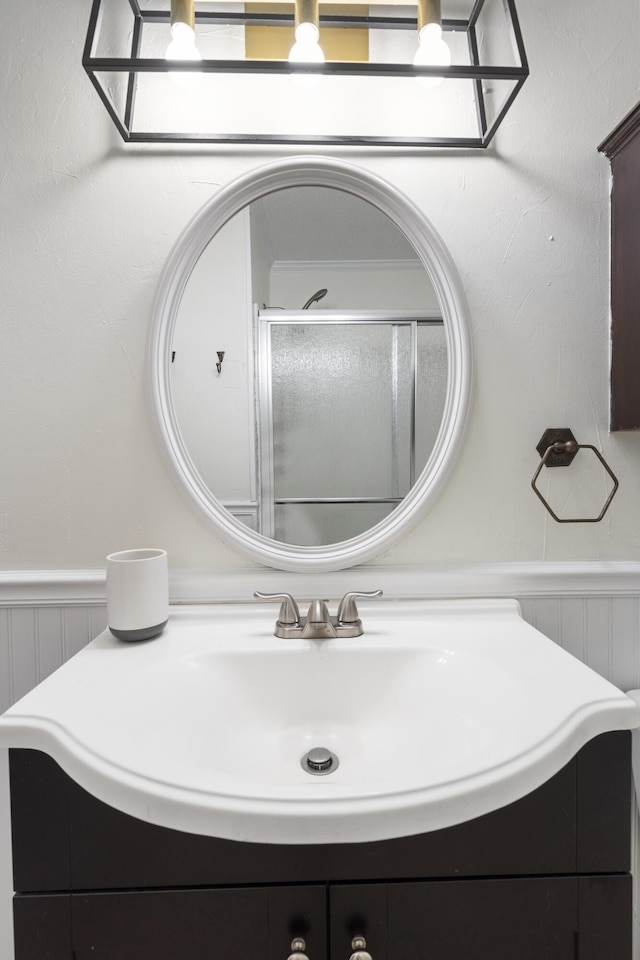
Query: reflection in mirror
[{"x": 328, "y": 404}]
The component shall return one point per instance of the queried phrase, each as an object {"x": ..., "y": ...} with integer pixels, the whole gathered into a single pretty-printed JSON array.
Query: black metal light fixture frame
[{"x": 134, "y": 64}]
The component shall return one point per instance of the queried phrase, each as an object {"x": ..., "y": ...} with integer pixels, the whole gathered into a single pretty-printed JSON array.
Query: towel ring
[{"x": 558, "y": 448}]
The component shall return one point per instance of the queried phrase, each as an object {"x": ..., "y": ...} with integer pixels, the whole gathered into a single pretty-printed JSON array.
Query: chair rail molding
[{"x": 618, "y": 578}]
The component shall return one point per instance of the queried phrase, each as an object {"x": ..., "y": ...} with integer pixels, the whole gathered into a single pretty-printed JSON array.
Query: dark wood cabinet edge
[
  {"x": 43, "y": 927},
  {"x": 605, "y": 911},
  {"x": 622, "y": 148},
  {"x": 604, "y": 790},
  {"x": 622, "y": 134},
  {"x": 40, "y": 823}
]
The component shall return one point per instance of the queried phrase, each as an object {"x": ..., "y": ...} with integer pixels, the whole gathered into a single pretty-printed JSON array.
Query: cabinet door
[
  {"x": 458, "y": 920},
  {"x": 228, "y": 924}
]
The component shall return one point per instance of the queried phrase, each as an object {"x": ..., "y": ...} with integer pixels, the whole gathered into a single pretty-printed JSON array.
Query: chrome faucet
[{"x": 318, "y": 624}]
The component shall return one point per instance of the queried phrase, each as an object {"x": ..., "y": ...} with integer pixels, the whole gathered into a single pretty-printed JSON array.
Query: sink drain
[{"x": 319, "y": 762}]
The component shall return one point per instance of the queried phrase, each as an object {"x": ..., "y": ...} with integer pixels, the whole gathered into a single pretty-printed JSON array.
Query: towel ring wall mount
[{"x": 557, "y": 448}]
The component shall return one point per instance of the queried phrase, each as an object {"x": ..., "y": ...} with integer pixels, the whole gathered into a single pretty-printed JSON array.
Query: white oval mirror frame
[{"x": 295, "y": 172}]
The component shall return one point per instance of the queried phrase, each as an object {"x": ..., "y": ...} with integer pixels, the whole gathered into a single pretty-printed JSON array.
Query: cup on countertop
[{"x": 137, "y": 593}]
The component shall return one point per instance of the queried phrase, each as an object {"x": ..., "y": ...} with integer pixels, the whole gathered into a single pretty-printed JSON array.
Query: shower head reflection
[{"x": 318, "y": 295}]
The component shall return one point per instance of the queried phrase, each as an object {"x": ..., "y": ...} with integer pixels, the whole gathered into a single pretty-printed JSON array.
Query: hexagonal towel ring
[{"x": 558, "y": 447}]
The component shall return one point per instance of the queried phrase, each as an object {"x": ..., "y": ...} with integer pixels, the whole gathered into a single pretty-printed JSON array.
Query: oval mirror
[{"x": 310, "y": 364}]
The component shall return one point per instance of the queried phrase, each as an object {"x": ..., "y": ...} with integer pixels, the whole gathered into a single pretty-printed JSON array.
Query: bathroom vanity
[
  {"x": 544, "y": 877},
  {"x": 479, "y": 805}
]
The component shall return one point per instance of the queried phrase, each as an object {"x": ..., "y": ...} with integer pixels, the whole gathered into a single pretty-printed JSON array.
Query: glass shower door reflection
[{"x": 337, "y": 426}]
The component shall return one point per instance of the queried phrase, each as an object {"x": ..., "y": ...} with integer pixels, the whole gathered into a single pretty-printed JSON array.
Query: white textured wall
[{"x": 87, "y": 223}]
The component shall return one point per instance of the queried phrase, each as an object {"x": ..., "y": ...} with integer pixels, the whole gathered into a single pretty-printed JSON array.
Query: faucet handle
[
  {"x": 347, "y": 611},
  {"x": 289, "y": 612}
]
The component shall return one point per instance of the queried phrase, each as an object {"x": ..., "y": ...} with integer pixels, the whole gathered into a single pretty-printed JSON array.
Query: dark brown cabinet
[
  {"x": 502, "y": 919},
  {"x": 622, "y": 147},
  {"x": 546, "y": 876}
]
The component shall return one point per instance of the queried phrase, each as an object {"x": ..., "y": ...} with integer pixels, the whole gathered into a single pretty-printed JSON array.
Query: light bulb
[
  {"x": 432, "y": 52},
  {"x": 183, "y": 47},
  {"x": 306, "y": 49}
]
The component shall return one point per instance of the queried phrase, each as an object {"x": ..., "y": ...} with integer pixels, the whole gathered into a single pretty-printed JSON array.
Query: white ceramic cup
[{"x": 137, "y": 593}]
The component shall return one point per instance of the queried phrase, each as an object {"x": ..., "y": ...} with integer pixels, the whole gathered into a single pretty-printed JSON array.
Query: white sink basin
[{"x": 439, "y": 713}]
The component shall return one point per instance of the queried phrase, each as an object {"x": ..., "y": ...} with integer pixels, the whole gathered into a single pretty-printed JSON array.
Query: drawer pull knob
[
  {"x": 358, "y": 945},
  {"x": 298, "y": 946}
]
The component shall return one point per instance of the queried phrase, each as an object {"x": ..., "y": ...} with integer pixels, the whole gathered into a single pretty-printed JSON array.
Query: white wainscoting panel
[
  {"x": 35, "y": 641},
  {"x": 603, "y": 632}
]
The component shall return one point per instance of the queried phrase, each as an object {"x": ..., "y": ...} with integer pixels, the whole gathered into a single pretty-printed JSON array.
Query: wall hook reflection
[{"x": 220, "y": 359}]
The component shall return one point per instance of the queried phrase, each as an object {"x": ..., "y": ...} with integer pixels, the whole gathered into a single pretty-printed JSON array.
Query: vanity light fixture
[
  {"x": 432, "y": 50},
  {"x": 471, "y": 58}
]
